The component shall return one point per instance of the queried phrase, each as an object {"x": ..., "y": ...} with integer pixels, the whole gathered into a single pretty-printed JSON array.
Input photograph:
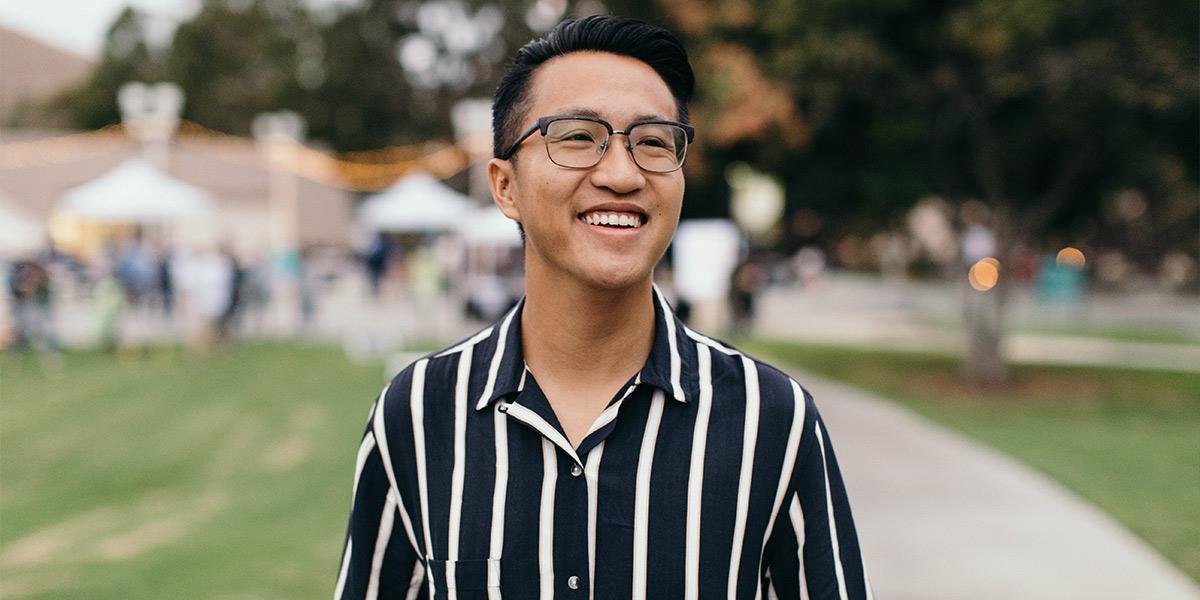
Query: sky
[{"x": 79, "y": 25}]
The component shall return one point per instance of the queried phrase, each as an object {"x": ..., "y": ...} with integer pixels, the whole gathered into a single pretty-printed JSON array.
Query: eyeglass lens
[{"x": 579, "y": 143}]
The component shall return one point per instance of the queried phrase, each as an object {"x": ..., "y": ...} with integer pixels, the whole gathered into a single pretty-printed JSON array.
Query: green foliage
[
  {"x": 236, "y": 60},
  {"x": 1042, "y": 108},
  {"x": 126, "y": 57},
  {"x": 1045, "y": 109},
  {"x": 339, "y": 67}
]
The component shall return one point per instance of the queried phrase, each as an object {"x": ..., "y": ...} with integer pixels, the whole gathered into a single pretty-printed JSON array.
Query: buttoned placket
[{"x": 571, "y": 561}]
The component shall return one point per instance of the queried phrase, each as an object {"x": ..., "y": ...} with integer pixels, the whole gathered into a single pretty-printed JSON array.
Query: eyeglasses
[{"x": 579, "y": 142}]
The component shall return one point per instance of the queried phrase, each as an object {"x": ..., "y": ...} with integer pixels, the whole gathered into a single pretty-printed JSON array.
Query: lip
[{"x": 618, "y": 207}]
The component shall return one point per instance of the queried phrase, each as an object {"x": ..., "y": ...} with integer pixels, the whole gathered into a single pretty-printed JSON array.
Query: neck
[{"x": 586, "y": 334}]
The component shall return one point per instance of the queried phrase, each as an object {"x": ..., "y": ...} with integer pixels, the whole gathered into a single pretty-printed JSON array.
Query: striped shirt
[{"x": 709, "y": 474}]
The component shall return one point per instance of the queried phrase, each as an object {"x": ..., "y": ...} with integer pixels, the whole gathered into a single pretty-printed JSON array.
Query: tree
[
  {"x": 1042, "y": 109},
  {"x": 126, "y": 57},
  {"x": 236, "y": 60}
]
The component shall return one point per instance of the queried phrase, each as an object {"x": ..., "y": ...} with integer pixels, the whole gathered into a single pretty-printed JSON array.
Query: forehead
[{"x": 618, "y": 88}]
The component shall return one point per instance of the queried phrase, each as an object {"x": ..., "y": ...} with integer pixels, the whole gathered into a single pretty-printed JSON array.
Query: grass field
[
  {"x": 1127, "y": 440},
  {"x": 168, "y": 476},
  {"x": 1124, "y": 334}
]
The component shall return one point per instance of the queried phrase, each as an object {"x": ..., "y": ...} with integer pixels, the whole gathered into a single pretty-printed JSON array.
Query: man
[{"x": 588, "y": 445}]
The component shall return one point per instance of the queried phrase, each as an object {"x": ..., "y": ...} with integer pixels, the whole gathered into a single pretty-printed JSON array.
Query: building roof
[
  {"x": 34, "y": 70},
  {"x": 35, "y": 173}
]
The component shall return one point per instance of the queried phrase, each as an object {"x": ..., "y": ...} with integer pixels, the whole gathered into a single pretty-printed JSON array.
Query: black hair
[{"x": 653, "y": 45}]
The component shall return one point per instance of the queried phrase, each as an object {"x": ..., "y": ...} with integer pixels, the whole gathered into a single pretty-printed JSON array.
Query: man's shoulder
[
  {"x": 435, "y": 370},
  {"x": 777, "y": 389}
]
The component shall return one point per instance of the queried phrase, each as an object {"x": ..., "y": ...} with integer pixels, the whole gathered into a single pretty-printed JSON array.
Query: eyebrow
[{"x": 587, "y": 112}]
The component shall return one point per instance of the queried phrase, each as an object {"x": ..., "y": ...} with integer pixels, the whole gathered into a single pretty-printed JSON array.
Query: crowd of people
[
  {"x": 139, "y": 291},
  {"x": 201, "y": 293}
]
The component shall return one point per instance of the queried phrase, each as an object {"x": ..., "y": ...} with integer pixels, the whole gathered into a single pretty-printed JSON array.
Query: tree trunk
[
  {"x": 986, "y": 363},
  {"x": 984, "y": 314}
]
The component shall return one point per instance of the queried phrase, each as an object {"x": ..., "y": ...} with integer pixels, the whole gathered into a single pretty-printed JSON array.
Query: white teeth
[{"x": 613, "y": 219}]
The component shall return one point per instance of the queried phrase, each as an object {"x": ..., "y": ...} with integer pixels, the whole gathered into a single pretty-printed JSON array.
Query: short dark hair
[{"x": 653, "y": 45}]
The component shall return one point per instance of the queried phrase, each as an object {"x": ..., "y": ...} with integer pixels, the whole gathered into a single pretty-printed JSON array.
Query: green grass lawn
[
  {"x": 1123, "y": 334},
  {"x": 172, "y": 476},
  {"x": 1128, "y": 440}
]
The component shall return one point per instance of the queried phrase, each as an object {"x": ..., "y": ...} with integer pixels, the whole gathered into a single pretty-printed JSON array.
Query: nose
[{"x": 616, "y": 169}]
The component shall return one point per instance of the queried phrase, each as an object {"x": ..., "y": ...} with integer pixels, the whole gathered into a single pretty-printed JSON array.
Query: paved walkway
[{"x": 941, "y": 517}]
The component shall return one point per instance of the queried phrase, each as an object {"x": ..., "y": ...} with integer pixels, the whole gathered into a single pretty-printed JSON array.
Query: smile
[{"x": 613, "y": 219}]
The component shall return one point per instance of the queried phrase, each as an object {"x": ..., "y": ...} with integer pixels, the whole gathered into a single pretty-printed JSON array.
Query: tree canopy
[{"x": 1048, "y": 111}]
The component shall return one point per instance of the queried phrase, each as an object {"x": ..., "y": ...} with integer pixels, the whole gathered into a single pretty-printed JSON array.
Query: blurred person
[
  {"x": 487, "y": 297},
  {"x": 747, "y": 280},
  {"x": 108, "y": 302},
  {"x": 375, "y": 261},
  {"x": 310, "y": 279},
  {"x": 809, "y": 265},
  {"x": 166, "y": 286},
  {"x": 103, "y": 265},
  {"x": 256, "y": 290},
  {"x": 229, "y": 317},
  {"x": 137, "y": 270},
  {"x": 30, "y": 287},
  {"x": 588, "y": 444},
  {"x": 204, "y": 279}
]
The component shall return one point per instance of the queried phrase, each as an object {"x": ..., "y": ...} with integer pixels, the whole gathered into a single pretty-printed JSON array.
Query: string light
[
  {"x": 369, "y": 170},
  {"x": 62, "y": 149}
]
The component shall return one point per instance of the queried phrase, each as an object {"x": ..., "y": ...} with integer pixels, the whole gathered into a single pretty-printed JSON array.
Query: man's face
[{"x": 553, "y": 203}]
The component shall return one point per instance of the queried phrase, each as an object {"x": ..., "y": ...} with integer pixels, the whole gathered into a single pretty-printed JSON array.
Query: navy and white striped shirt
[{"x": 710, "y": 475}]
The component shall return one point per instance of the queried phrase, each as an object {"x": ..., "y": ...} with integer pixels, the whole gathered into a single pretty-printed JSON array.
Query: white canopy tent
[
  {"x": 417, "y": 203},
  {"x": 489, "y": 226},
  {"x": 489, "y": 240},
  {"x": 136, "y": 192},
  {"x": 19, "y": 234}
]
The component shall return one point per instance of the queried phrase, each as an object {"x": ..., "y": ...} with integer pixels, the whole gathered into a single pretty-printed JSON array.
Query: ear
[{"x": 502, "y": 184}]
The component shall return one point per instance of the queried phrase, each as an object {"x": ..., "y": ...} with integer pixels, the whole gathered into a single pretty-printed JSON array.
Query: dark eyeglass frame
[{"x": 543, "y": 125}]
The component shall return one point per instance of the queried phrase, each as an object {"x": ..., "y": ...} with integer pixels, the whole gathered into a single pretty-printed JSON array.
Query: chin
[{"x": 616, "y": 278}]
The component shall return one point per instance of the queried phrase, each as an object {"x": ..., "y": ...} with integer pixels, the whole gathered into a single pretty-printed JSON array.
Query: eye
[{"x": 579, "y": 136}]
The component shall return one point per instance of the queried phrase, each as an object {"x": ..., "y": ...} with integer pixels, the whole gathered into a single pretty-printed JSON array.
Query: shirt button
[
  {"x": 573, "y": 582},
  {"x": 576, "y": 471},
  {"x": 502, "y": 408}
]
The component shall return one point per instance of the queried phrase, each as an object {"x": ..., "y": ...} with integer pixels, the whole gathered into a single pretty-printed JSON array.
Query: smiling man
[{"x": 589, "y": 445}]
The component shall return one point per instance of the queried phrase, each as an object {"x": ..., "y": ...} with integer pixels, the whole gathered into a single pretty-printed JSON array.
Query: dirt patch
[
  {"x": 293, "y": 449},
  {"x": 1021, "y": 389},
  {"x": 159, "y": 531},
  {"x": 23, "y": 586},
  {"x": 104, "y": 534},
  {"x": 55, "y": 541},
  {"x": 286, "y": 455}
]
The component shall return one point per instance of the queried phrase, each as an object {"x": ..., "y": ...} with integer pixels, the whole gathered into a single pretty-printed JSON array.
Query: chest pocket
[{"x": 466, "y": 575}]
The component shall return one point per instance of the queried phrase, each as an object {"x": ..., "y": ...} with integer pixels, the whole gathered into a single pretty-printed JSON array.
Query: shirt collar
[{"x": 670, "y": 367}]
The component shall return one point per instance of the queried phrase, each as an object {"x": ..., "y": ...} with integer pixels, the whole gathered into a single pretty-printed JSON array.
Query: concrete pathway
[{"x": 942, "y": 517}]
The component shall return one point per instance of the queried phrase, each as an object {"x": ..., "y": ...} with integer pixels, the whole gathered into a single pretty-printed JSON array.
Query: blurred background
[{"x": 971, "y": 228}]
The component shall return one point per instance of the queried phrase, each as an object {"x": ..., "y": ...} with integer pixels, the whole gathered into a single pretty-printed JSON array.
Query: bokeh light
[
  {"x": 1070, "y": 257},
  {"x": 984, "y": 274}
]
